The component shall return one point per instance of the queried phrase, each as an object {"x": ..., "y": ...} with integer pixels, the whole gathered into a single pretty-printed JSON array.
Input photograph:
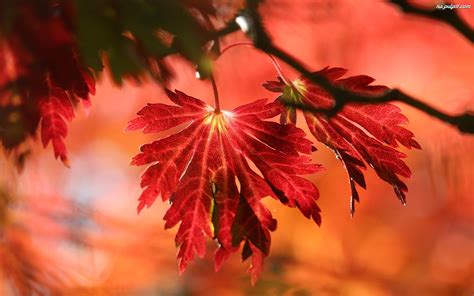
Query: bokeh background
[{"x": 76, "y": 230}]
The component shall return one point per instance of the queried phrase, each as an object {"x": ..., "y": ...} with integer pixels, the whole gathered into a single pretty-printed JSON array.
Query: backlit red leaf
[
  {"x": 359, "y": 133},
  {"x": 55, "y": 109},
  {"x": 217, "y": 170}
]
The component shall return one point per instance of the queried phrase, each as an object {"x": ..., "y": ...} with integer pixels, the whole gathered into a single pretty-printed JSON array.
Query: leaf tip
[
  {"x": 415, "y": 144},
  {"x": 182, "y": 266},
  {"x": 131, "y": 127},
  {"x": 140, "y": 207},
  {"x": 66, "y": 162}
]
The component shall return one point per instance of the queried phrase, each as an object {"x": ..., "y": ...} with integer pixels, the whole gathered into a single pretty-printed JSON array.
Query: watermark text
[{"x": 453, "y": 6}]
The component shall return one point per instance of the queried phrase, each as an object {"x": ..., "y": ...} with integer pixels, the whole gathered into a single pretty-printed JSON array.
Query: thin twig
[
  {"x": 275, "y": 63},
  {"x": 228, "y": 29},
  {"x": 448, "y": 16},
  {"x": 217, "y": 105}
]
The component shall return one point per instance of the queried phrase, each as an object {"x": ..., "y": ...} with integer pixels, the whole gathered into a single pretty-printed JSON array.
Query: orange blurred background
[{"x": 82, "y": 221}]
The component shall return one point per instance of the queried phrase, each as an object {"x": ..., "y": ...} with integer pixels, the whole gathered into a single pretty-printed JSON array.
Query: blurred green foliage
[{"x": 135, "y": 35}]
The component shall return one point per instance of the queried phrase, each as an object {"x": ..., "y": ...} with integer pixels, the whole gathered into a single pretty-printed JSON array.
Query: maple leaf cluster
[
  {"x": 43, "y": 77},
  {"x": 50, "y": 51},
  {"x": 217, "y": 169}
]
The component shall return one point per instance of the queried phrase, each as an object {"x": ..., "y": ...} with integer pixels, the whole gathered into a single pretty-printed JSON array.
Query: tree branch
[
  {"x": 229, "y": 28},
  {"x": 464, "y": 122},
  {"x": 448, "y": 16}
]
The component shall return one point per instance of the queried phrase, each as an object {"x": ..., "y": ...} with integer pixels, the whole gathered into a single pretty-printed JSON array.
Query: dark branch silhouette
[
  {"x": 464, "y": 122},
  {"x": 448, "y": 16},
  {"x": 256, "y": 31}
]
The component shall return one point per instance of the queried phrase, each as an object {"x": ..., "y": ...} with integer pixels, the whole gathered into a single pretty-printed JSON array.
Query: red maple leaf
[
  {"x": 217, "y": 170},
  {"x": 358, "y": 133},
  {"x": 56, "y": 107},
  {"x": 43, "y": 74}
]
